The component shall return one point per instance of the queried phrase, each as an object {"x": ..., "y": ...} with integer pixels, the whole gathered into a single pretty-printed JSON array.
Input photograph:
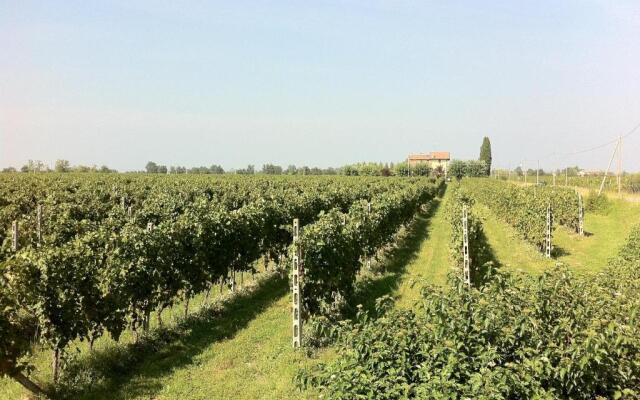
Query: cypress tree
[{"x": 485, "y": 154}]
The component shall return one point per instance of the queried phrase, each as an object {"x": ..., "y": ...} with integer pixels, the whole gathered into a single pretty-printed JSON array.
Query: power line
[{"x": 600, "y": 146}]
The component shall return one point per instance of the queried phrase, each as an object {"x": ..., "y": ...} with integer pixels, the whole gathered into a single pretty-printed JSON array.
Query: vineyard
[{"x": 94, "y": 258}]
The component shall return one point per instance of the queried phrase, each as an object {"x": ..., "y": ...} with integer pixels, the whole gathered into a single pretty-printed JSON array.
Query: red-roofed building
[{"x": 434, "y": 159}]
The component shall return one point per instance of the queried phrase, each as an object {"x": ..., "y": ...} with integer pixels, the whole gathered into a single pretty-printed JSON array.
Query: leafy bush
[
  {"x": 597, "y": 204},
  {"x": 556, "y": 336}
]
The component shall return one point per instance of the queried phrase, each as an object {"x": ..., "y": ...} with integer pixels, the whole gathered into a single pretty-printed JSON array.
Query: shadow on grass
[
  {"x": 396, "y": 261},
  {"x": 103, "y": 374},
  {"x": 559, "y": 251}
]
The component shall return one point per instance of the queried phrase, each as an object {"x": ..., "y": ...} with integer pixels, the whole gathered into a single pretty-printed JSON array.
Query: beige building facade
[{"x": 434, "y": 160}]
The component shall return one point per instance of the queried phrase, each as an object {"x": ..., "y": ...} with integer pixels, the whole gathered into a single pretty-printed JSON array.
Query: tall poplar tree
[{"x": 485, "y": 153}]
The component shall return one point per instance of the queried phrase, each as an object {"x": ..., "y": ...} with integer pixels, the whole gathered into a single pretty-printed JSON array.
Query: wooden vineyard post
[
  {"x": 14, "y": 236},
  {"x": 39, "y": 224},
  {"x": 548, "y": 235},
  {"x": 129, "y": 212},
  {"x": 580, "y": 215},
  {"x": 297, "y": 260},
  {"x": 466, "y": 272}
]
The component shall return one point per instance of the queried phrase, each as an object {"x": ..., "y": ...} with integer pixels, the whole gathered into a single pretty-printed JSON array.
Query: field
[{"x": 180, "y": 287}]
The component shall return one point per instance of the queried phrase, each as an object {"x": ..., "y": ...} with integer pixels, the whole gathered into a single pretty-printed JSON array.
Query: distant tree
[
  {"x": 291, "y": 170},
  {"x": 250, "y": 170},
  {"x": 421, "y": 170},
  {"x": 476, "y": 168},
  {"x": 385, "y": 171},
  {"x": 271, "y": 169},
  {"x": 216, "y": 169},
  {"x": 162, "y": 169},
  {"x": 349, "y": 170},
  {"x": 330, "y": 171},
  {"x": 401, "y": 169},
  {"x": 62, "y": 166},
  {"x": 105, "y": 169},
  {"x": 485, "y": 154},
  {"x": 9, "y": 169},
  {"x": 438, "y": 172},
  {"x": 457, "y": 169},
  {"x": 151, "y": 167},
  {"x": 518, "y": 171},
  {"x": 34, "y": 166},
  {"x": 460, "y": 168}
]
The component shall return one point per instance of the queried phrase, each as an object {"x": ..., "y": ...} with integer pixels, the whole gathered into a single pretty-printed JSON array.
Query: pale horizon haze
[{"x": 323, "y": 83}]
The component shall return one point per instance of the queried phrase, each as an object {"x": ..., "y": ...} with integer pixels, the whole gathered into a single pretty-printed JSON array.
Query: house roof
[{"x": 434, "y": 155}]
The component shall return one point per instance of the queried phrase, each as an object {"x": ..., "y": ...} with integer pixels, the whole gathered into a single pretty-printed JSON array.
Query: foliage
[
  {"x": 485, "y": 154},
  {"x": 551, "y": 337},
  {"x": 335, "y": 244},
  {"x": 114, "y": 248},
  {"x": 597, "y": 204},
  {"x": 469, "y": 168},
  {"x": 525, "y": 208}
]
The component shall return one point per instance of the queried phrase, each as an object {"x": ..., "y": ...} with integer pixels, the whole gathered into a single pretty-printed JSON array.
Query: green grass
[
  {"x": 432, "y": 262},
  {"x": 605, "y": 234},
  {"x": 508, "y": 248}
]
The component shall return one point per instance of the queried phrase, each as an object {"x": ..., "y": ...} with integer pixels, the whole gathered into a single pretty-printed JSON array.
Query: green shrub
[
  {"x": 520, "y": 337},
  {"x": 597, "y": 204}
]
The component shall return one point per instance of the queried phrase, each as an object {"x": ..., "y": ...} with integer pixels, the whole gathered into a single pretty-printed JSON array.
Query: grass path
[
  {"x": 509, "y": 249},
  {"x": 431, "y": 263},
  {"x": 605, "y": 234}
]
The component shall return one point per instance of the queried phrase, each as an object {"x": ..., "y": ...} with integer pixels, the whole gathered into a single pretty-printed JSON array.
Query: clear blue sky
[{"x": 317, "y": 83}]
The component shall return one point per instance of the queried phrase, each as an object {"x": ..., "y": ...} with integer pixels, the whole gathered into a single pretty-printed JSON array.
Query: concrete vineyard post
[
  {"x": 297, "y": 260},
  {"x": 580, "y": 215},
  {"x": 548, "y": 233},
  {"x": 466, "y": 267},
  {"x": 14, "y": 236},
  {"x": 39, "y": 224}
]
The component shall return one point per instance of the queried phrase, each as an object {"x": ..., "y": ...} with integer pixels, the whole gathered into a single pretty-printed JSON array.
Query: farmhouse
[{"x": 434, "y": 160}]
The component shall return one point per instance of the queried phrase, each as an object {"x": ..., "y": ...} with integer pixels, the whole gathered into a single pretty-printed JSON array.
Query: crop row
[
  {"x": 336, "y": 245},
  {"x": 95, "y": 272},
  {"x": 525, "y": 207}
]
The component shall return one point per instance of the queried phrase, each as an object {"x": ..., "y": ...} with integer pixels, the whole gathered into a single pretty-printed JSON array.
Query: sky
[{"x": 322, "y": 83}]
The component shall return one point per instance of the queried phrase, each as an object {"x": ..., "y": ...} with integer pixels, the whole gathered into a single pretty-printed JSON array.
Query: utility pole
[
  {"x": 604, "y": 178},
  {"x": 620, "y": 166}
]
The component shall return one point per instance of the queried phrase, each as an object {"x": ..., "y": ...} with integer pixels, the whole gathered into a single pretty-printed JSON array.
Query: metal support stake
[
  {"x": 296, "y": 266},
  {"x": 548, "y": 238},
  {"x": 14, "y": 236},
  {"x": 466, "y": 272}
]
